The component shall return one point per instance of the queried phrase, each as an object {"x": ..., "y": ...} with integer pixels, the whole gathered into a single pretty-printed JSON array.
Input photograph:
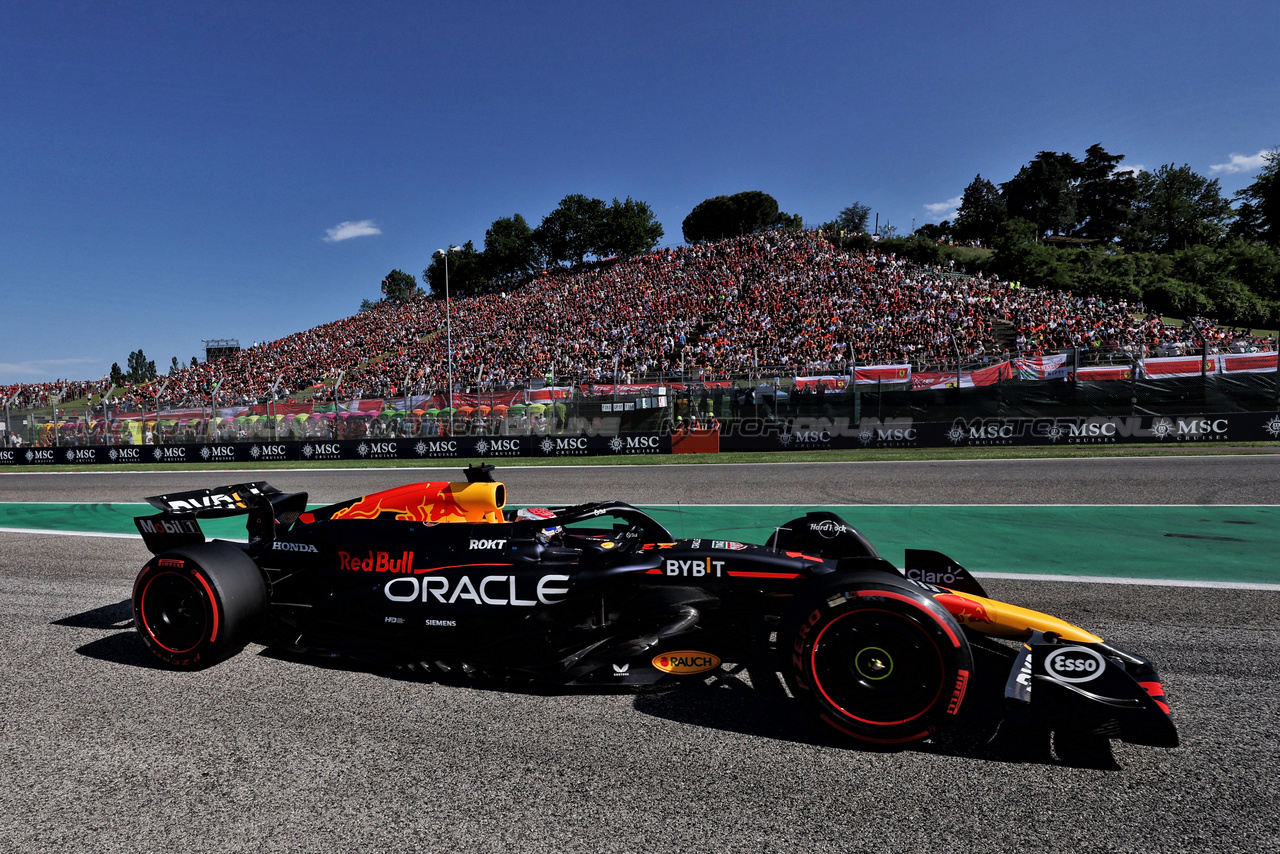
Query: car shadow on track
[
  {"x": 120, "y": 647},
  {"x": 754, "y": 701},
  {"x": 751, "y": 701},
  {"x": 117, "y": 616},
  {"x": 763, "y": 707}
]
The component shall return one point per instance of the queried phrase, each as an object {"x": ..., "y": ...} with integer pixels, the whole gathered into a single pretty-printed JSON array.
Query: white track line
[
  {"x": 50, "y": 532},
  {"x": 1150, "y": 582},
  {"x": 69, "y": 533}
]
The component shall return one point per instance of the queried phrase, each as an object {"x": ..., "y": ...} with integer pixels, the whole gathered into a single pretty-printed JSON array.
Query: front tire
[
  {"x": 197, "y": 605},
  {"x": 876, "y": 659}
]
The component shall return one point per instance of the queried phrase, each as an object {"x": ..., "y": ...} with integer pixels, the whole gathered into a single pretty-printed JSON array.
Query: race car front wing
[{"x": 1094, "y": 688}]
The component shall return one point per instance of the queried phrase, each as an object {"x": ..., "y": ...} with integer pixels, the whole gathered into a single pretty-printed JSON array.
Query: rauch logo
[{"x": 686, "y": 662}]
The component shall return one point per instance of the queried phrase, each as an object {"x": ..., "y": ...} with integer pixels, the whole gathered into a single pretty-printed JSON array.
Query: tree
[
  {"x": 1258, "y": 217},
  {"x": 981, "y": 212},
  {"x": 509, "y": 250},
  {"x": 755, "y": 211},
  {"x": 399, "y": 287},
  {"x": 730, "y": 216},
  {"x": 629, "y": 229},
  {"x": 1019, "y": 257},
  {"x": 788, "y": 222},
  {"x": 140, "y": 368},
  {"x": 710, "y": 219},
  {"x": 1255, "y": 266},
  {"x": 194, "y": 362},
  {"x": 173, "y": 366},
  {"x": 466, "y": 272},
  {"x": 853, "y": 219},
  {"x": 572, "y": 231},
  {"x": 917, "y": 247},
  {"x": 1043, "y": 192},
  {"x": 934, "y": 231},
  {"x": 1210, "y": 272},
  {"x": 1177, "y": 209},
  {"x": 1014, "y": 233},
  {"x": 1105, "y": 197},
  {"x": 117, "y": 375}
]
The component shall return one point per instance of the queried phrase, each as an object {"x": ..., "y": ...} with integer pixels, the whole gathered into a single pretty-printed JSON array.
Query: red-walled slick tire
[
  {"x": 196, "y": 605},
  {"x": 875, "y": 659}
]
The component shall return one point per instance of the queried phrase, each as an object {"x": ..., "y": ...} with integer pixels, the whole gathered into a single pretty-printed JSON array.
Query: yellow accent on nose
[{"x": 1008, "y": 620}]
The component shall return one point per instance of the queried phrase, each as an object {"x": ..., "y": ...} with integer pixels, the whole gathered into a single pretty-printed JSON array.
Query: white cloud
[
  {"x": 948, "y": 207},
  {"x": 1132, "y": 170},
  {"x": 1241, "y": 163},
  {"x": 45, "y": 370},
  {"x": 348, "y": 230}
]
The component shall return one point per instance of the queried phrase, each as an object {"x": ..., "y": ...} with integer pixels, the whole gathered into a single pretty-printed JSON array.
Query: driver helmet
[{"x": 554, "y": 533}]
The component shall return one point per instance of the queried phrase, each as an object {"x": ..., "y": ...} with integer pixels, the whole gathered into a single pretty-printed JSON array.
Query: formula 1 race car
[{"x": 442, "y": 578}]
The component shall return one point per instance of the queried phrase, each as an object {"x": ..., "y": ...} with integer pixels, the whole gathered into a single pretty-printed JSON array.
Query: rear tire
[
  {"x": 875, "y": 659},
  {"x": 197, "y": 605}
]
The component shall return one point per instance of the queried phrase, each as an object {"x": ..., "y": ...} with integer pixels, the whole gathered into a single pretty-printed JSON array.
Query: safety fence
[
  {"x": 747, "y": 434},
  {"x": 1047, "y": 401}
]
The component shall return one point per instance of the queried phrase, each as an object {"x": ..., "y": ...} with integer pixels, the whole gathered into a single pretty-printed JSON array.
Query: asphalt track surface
[{"x": 104, "y": 750}]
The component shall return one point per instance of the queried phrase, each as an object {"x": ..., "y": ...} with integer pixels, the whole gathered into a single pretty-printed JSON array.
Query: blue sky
[{"x": 171, "y": 172}]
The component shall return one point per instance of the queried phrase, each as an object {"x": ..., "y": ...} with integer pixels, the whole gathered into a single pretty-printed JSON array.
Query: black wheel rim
[
  {"x": 877, "y": 667},
  {"x": 174, "y": 612}
]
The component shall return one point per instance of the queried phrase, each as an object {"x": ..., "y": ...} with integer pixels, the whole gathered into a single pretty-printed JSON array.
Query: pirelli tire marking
[
  {"x": 165, "y": 595},
  {"x": 880, "y": 665}
]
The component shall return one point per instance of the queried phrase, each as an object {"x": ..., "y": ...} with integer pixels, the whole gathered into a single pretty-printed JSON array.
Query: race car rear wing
[
  {"x": 217, "y": 502},
  {"x": 265, "y": 506}
]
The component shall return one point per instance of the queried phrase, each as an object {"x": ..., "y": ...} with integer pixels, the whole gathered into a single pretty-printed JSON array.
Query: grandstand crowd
[{"x": 790, "y": 301}]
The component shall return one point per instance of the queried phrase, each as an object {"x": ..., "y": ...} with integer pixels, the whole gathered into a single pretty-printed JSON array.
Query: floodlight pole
[
  {"x": 106, "y": 415},
  {"x": 271, "y": 410},
  {"x": 56, "y": 429},
  {"x": 956, "y": 345},
  {"x": 448, "y": 326},
  {"x": 213, "y": 407},
  {"x": 144, "y": 415}
]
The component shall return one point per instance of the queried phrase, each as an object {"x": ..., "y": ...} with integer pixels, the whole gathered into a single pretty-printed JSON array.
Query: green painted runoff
[{"x": 1209, "y": 543}]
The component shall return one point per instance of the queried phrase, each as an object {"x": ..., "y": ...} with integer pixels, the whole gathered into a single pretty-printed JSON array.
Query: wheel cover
[
  {"x": 877, "y": 667},
  {"x": 173, "y": 612}
]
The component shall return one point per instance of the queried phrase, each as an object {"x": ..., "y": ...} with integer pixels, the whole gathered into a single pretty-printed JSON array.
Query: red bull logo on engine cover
[{"x": 376, "y": 562}]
